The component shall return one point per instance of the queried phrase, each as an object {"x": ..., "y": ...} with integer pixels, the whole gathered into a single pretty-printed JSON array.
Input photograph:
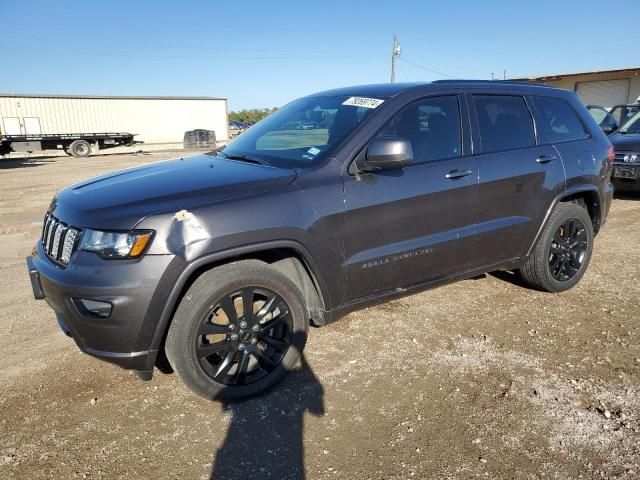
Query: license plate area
[{"x": 624, "y": 172}]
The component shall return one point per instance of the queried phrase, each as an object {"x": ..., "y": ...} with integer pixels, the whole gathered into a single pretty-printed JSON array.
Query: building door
[
  {"x": 32, "y": 125},
  {"x": 605, "y": 93},
  {"x": 11, "y": 126}
]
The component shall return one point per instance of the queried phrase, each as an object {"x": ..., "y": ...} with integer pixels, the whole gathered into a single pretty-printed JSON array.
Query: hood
[
  {"x": 625, "y": 143},
  {"x": 119, "y": 200}
]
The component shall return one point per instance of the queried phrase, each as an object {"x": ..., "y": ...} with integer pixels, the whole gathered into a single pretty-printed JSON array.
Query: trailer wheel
[{"x": 80, "y": 148}]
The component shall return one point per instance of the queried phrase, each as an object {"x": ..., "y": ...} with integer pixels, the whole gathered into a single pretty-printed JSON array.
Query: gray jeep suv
[{"x": 214, "y": 265}]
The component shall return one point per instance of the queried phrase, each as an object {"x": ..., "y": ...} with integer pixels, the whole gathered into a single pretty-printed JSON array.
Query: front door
[{"x": 406, "y": 227}]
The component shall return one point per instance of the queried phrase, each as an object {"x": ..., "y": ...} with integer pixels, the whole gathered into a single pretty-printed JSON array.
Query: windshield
[
  {"x": 302, "y": 131},
  {"x": 632, "y": 125}
]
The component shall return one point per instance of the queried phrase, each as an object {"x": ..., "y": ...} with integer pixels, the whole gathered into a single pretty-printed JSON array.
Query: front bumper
[
  {"x": 132, "y": 287},
  {"x": 626, "y": 176}
]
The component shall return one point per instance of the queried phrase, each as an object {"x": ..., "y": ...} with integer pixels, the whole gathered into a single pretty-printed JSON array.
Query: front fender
[{"x": 183, "y": 272}]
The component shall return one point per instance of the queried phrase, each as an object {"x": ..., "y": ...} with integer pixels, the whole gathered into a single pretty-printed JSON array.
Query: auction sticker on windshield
[{"x": 363, "y": 102}]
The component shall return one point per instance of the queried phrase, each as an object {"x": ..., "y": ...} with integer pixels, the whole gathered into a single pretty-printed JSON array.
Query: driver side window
[{"x": 431, "y": 125}]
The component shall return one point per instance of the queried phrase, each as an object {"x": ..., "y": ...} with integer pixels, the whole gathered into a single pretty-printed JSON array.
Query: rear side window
[
  {"x": 560, "y": 122},
  {"x": 505, "y": 122}
]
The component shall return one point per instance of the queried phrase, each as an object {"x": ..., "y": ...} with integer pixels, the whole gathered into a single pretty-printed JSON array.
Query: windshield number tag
[{"x": 363, "y": 102}]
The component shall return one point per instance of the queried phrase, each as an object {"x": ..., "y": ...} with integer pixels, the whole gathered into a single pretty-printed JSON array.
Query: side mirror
[
  {"x": 387, "y": 153},
  {"x": 608, "y": 129}
]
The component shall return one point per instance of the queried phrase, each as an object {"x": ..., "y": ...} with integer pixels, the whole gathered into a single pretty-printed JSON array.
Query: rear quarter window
[{"x": 560, "y": 122}]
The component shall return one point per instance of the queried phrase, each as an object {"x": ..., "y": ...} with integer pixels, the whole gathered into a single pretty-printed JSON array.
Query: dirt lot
[{"x": 479, "y": 379}]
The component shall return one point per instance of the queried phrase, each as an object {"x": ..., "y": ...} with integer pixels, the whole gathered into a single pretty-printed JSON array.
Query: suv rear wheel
[
  {"x": 237, "y": 331},
  {"x": 562, "y": 254}
]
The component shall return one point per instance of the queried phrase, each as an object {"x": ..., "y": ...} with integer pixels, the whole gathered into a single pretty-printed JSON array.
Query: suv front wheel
[
  {"x": 237, "y": 331},
  {"x": 563, "y": 251}
]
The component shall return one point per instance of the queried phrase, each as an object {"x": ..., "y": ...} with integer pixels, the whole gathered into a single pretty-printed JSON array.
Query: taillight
[{"x": 610, "y": 154}]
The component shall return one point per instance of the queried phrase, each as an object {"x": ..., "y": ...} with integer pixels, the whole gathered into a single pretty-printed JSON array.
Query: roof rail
[{"x": 509, "y": 82}]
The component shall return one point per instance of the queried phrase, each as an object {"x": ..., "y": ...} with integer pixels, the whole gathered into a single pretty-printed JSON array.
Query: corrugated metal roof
[
  {"x": 121, "y": 97},
  {"x": 572, "y": 74}
]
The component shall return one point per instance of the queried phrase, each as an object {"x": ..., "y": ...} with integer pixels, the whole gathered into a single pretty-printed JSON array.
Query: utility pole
[{"x": 395, "y": 53}]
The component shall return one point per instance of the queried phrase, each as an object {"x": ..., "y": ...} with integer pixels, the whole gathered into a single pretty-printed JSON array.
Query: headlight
[{"x": 116, "y": 244}]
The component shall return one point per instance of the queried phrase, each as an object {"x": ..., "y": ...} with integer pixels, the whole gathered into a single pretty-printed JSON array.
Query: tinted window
[
  {"x": 505, "y": 122},
  {"x": 632, "y": 125},
  {"x": 622, "y": 113},
  {"x": 431, "y": 125},
  {"x": 559, "y": 121},
  {"x": 303, "y": 131}
]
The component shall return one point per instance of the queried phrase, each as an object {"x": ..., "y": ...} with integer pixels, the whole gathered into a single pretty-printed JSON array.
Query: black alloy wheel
[
  {"x": 562, "y": 253},
  {"x": 568, "y": 250},
  {"x": 244, "y": 336}
]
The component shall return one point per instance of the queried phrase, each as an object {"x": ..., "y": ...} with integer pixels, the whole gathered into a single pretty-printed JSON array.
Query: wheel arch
[
  {"x": 589, "y": 199},
  {"x": 289, "y": 257},
  {"x": 585, "y": 195}
]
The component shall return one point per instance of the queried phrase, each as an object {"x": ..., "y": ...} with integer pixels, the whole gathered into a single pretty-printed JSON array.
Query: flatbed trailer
[{"x": 75, "y": 144}]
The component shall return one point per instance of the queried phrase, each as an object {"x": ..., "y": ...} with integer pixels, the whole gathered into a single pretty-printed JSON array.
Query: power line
[
  {"x": 305, "y": 52},
  {"x": 426, "y": 68},
  {"x": 311, "y": 57}
]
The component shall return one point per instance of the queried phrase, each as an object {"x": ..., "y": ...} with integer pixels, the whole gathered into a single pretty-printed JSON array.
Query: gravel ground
[{"x": 478, "y": 379}]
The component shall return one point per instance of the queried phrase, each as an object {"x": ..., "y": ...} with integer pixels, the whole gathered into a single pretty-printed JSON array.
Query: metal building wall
[
  {"x": 156, "y": 120},
  {"x": 570, "y": 82}
]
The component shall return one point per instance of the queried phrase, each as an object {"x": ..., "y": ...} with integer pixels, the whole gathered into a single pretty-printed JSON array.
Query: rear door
[
  {"x": 409, "y": 226},
  {"x": 518, "y": 177}
]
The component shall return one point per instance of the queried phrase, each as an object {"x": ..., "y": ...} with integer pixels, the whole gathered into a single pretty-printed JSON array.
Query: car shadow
[
  {"x": 626, "y": 195},
  {"x": 509, "y": 276},
  {"x": 265, "y": 438}
]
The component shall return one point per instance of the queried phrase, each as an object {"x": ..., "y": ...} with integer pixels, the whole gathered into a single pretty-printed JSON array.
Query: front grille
[
  {"x": 58, "y": 240},
  {"x": 627, "y": 157}
]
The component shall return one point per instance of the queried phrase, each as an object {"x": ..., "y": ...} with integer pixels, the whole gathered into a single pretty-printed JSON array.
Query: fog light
[{"x": 94, "y": 307}]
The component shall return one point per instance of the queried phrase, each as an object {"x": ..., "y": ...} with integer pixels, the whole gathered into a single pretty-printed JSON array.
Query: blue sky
[{"x": 265, "y": 53}]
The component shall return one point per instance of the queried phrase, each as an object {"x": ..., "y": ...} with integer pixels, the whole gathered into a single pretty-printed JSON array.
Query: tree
[{"x": 251, "y": 115}]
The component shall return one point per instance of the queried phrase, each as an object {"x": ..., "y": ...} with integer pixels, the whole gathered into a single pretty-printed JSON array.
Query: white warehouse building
[{"x": 159, "y": 122}]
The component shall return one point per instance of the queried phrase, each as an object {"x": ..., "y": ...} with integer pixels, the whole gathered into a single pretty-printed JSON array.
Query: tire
[
  {"x": 553, "y": 265},
  {"x": 219, "y": 362},
  {"x": 79, "y": 148}
]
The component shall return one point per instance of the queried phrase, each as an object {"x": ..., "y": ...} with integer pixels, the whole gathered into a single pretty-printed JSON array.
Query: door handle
[
  {"x": 545, "y": 158},
  {"x": 458, "y": 174}
]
